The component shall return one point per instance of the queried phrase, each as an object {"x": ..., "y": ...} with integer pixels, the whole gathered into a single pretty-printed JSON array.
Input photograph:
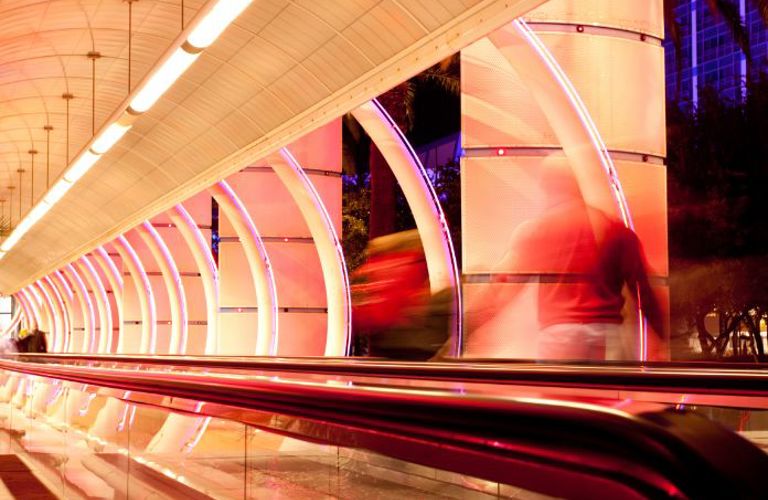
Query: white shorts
[{"x": 583, "y": 341}]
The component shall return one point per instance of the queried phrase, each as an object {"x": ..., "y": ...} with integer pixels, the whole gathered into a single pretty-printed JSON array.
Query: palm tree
[{"x": 399, "y": 102}]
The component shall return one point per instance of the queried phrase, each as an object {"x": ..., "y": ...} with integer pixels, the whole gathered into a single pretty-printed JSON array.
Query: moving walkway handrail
[
  {"x": 562, "y": 448},
  {"x": 706, "y": 378}
]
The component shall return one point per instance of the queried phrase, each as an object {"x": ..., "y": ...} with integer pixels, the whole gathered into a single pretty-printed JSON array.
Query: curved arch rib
[
  {"x": 89, "y": 314},
  {"x": 258, "y": 263},
  {"x": 422, "y": 199},
  {"x": 41, "y": 306},
  {"x": 58, "y": 339},
  {"x": 209, "y": 273},
  {"x": 66, "y": 293},
  {"x": 338, "y": 336},
  {"x": 102, "y": 303},
  {"x": 32, "y": 321},
  {"x": 175, "y": 288},
  {"x": 42, "y": 294},
  {"x": 146, "y": 297},
  {"x": 115, "y": 280}
]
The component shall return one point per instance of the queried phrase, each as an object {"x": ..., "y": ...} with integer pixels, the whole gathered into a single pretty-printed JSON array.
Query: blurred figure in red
[
  {"x": 584, "y": 259},
  {"x": 394, "y": 315}
]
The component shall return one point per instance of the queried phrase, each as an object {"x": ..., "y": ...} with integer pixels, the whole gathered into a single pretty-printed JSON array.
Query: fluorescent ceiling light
[
  {"x": 109, "y": 137},
  {"x": 162, "y": 79},
  {"x": 57, "y": 191},
  {"x": 216, "y": 21},
  {"x": 80, "y": 166},
  {"x": 37, "y": 212}
]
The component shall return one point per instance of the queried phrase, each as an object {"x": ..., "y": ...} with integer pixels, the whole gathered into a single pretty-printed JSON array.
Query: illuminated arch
[
  {"x": 102, "y": 303},
  {"x": 209, "y": 273},
  {"x": 115, "y": 280},
  {"x": 89, "y": 314},
  {"x": 258, "y": 263},
  {"x": 338, "y": 336},
  {"x": 58, "y": 339},
  {"x": 146, "y": 296},
  {"x": 68, "y": 296},
  {"x": 175, "y": 288},
  {"x": 422, "y": 200}
]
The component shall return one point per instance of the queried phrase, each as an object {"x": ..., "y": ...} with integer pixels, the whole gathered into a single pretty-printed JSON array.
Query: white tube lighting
[
  {"x": 109, "y": 137},
  {"x": 207, "y": 30},
  {"x": 215, "y": 22},
  {"x": 163, "y": 78},
  {"x": 57, "y": 191},
  {"x": 80, "y": 166}
]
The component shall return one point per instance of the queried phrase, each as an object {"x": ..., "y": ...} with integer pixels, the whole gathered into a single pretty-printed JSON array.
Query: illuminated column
[{"x": 604, "y": 112}]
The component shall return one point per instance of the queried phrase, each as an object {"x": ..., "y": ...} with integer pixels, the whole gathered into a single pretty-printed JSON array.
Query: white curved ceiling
[{"x": 283, "y": 68}]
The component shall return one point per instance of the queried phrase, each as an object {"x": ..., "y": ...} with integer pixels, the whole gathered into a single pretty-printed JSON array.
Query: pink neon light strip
[{"x": 597, "y": 142}]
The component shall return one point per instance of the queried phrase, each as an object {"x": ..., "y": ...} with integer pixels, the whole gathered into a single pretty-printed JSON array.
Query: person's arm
[{"x": 636, "y": 277}]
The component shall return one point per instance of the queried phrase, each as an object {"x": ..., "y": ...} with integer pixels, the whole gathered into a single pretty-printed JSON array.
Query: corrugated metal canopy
[{"x": 282, "y": 69}]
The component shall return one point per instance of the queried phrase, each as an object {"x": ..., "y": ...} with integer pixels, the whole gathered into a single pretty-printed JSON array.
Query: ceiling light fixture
[
  {"x": 211, "y": 22},
  {"x": 109, "y": 137},
  {"x": 215, "y": 22}
]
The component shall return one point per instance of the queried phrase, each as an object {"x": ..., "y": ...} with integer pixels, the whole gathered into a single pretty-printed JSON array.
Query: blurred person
[
  {"x": 31, "y": 341},
  {"x": 584, "y": 259},
  {"x": 394, "y": 314}
]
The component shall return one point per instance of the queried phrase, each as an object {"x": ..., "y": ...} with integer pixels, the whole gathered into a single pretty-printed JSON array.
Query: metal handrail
[
  {"x": 688, "y": 378},
  {"x": 562, "y": 448}
]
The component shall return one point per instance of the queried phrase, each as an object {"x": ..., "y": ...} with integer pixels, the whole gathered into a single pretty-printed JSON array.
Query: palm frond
[
  {"x": 729, "y": 13},
  {"x": 448, "y": 82}
]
